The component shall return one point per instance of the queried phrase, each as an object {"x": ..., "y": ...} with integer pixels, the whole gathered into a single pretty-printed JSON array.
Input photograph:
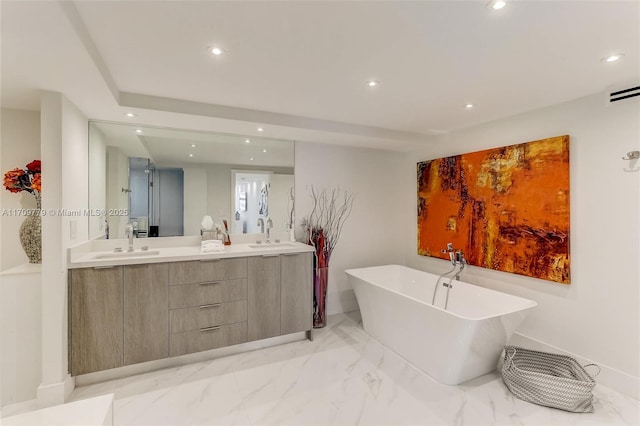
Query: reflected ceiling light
[
  {"x": 193, "y": 145},
  {"x": 130, "y": 114},
  {"x": 251, "y": 158},
  {"x": 613, "y": 58},
  {"x": 497, "y": 4},
  {"x": 247, "y": 141},
  {"x": 260, "y": 129},
  {"x": 138, "y": 131},
  {"x": 372, "y": 83},
  {"x": 190, "y": 155},
  {"x": 217, "y": 51},
  {"x": 264, "y": 150},
  {"x": 468, "y": 106}
]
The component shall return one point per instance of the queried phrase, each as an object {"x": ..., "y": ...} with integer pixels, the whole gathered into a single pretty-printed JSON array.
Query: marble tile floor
[{"x": 343, "y": 377}]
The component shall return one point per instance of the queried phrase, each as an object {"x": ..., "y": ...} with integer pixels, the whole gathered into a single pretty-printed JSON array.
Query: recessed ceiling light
[
  {"x": 217, "y": 51},
  {"x": 251, "y": 158},
  {"x": 260, "y": 129},
  {"x": 130, "y": 114},
  {"x": 247, "y": 141},
  {"x": 264, "y": 150},
  {"x": 193, "y": 145},
  {"x": 613, "y": 58},
  {"x": 372, "y": 83},
  {"x": 497, "y": 4},
  {"x": 138, "y": 131},
  {"x": 468, "y": 106}
]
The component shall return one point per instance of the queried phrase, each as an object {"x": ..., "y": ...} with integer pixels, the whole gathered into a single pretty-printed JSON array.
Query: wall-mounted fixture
[
  {"x": 127, "y": 190},
  {"x": 632, "y": 155}
]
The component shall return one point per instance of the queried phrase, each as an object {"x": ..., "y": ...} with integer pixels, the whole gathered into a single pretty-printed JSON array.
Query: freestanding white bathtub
[{"x": 452, "y": 346}]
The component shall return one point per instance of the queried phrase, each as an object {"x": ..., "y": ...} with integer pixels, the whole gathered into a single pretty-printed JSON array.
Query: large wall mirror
[{"x": 164, "y": 181}]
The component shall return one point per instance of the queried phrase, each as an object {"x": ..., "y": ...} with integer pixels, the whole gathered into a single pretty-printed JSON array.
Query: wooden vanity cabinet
[
  {"x": 123, "y": 315},
  {"x": 208, "y": 304},
  {"x": 96, "y": 323},
  {"x": 280, "y": 295},
  {"x": 264, "y": 297},
  {"x": 296, "y": 292},
  {"x": 118, "y": 315},
  {"x": 146, "y": 316}
]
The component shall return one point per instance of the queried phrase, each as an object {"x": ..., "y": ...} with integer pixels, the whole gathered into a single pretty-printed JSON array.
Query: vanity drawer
[
  {"x": 207, "y": 338},
  {"x": 197, "y": 271},
  {"x": 207, "y": 315},
  {"x": 190, "y": 295},
  {"x": 224, "y": 269}
]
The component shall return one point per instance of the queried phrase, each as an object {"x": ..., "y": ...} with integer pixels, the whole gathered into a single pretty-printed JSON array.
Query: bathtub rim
[{"x": 532, "y": 303}]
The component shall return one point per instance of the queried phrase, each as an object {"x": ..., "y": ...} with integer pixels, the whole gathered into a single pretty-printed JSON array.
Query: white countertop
[
  {"x": 87, "y": 259},
  {"x": 96, "y": 411}
]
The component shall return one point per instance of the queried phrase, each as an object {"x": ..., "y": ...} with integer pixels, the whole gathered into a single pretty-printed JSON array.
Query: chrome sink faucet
[
  {"x": 128, "y": 229},
  {"x": 269, "y": 226},
  {"x": 261, "y": 224}
]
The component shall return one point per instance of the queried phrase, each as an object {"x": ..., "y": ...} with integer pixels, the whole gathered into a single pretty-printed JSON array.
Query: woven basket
[{"x": 552, "y": 380}]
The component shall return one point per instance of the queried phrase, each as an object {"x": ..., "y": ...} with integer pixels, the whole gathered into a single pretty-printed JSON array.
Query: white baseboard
[
  {"x": 18, "y": 408},
  {"x": 54, "y": 393},
  {"x": 609, "y": 377}
]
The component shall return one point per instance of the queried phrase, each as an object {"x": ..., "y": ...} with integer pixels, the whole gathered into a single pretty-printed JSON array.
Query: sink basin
[
  {"x": 266, "y": 246},
  {"x": 125, "y": 254}
]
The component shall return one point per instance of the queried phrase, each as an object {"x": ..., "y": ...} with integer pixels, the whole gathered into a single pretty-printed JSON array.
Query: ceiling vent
[{"x": 624, "y": 94}]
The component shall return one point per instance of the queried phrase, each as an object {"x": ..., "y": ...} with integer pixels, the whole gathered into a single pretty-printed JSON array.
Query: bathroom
[{"x": 595, "y": 318}]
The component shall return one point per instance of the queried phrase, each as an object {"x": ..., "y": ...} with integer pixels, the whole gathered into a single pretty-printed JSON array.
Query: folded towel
[{"x": 210, "y": 246}]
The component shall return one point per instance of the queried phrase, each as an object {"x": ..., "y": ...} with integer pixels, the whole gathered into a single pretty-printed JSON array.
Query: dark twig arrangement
[{"x": 328, "y": 215}]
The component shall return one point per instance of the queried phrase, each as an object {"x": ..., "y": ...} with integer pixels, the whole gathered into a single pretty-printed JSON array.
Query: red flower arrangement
[{"x": 28, "y": 179}]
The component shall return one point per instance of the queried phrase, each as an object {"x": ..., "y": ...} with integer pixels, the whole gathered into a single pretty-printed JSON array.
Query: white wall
[
  {"x": 20, "y": 139},
  {"x": 195, "y": 199},
  {"x": 117, "y": 178},
  {"x": 219, "y": 192},
  {"x": 371, "y": 236},
  {"x": 64, "y": 135},
  {"x": 98, "y": 182},
  {"x": 21, "y": 331},
  {"x": 278, "y": 200},
  {"x": 597, "y": 315}
]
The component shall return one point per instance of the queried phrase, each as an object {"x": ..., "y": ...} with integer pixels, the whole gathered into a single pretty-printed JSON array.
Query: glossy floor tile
[{"x": 343, "y": 377}]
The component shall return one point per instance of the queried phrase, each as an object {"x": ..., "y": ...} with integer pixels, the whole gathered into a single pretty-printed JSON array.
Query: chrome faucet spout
[
  {"x": 269, "y": 226},
  {"x": 261, "y": 224},
  {"x": 129, "y": 232}
]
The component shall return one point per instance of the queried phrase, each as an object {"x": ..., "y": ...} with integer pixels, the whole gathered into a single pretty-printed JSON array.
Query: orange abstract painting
[{"x": 506, "y": 208}]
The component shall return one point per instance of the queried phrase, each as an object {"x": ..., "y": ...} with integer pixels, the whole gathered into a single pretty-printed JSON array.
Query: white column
[{"x": 64, "y": 188}]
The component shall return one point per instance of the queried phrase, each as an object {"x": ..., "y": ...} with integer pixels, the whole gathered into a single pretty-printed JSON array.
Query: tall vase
[
  {"x": 31, "y": 234},
  {"x": 320, "y": 284}
]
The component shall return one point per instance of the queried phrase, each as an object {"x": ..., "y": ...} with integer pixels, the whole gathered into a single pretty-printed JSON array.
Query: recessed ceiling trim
[
  {"x": 157, "y": 103},
  {"x": 70, "y": 11}
]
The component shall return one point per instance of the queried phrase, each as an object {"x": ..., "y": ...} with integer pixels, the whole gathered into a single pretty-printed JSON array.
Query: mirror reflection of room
[
  {"x": 164, "y": 181},
  {"x": 261, "y": 201}
]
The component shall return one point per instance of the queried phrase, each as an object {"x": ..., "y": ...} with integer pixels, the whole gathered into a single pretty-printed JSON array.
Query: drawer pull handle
[
  {"x": 203, "y": 330},
  {"x": 210, "y": 283},
  {"x": 210, "y": 305}
]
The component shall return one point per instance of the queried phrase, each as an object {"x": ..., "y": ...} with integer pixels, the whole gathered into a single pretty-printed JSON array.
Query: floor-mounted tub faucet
[{"x": 457, "y": 260}]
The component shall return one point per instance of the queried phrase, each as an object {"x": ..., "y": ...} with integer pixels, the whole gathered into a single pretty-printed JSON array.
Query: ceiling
[{"x": 299, "y": 68}]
